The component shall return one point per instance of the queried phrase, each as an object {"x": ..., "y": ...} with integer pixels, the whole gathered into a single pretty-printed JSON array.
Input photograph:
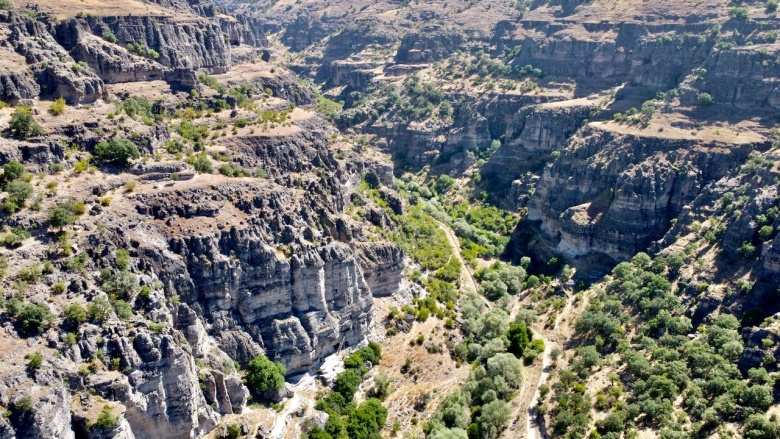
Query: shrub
[
  {"x": 771, "y": 6},
  {"x": 263, "y": 374},
  {"x": 765, "y": 232},
  {"x": 203, "y": 165},
  {"x": 106, "y": 420},
  {"x": 108, "y": 35},
  {"x": 33, "y": 318},
  {"x": 444, "y": 183},
  {"x": 118, "y": 151},
  {"x": 19, "y": 191},
  {"x": 740, "y": 13},
  {"x": 60, "y": 217},
  {"x": 36, "y": 360},
  {"x": 75, "y": 314},
  {"x": 746, "y": 250},
  {"x": 58, "y": 107},
  {"x": 367, "y": 420},
  {"x": 705, "y": 99},
  {"x": 123, "y": 310},
  {"x": 23, "y": 124},
  {"x": 347, "y": 383},
  {"x": 99, "y": 310},
  {"x": 12, "y": 170}
]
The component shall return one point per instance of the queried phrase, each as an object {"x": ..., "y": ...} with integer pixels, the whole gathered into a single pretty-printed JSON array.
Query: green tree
[
  {"x": 33, "y": 318},
  {"x": 60, "y": 217},
  {"x": 444, "y": 183},
  {"x": 519, "y": 336},
  {"x": 99, "y": 310},
  {"x": 367, "y": 420},
  {"x": 705, "y": 99},
  {"x": 18, "y": 192},
  {"x": 347, "y": 383},
  {"x": 117, "y": 151},
  {"x": 12, "y": 170},
  {"x": 263, "y": 374},
  {"x": 23, "y": 124}
]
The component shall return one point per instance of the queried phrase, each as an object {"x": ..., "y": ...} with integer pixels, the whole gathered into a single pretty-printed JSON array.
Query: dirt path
[
  {"x": 466, "y": 277},
  {"x": 532, "y": 430}
]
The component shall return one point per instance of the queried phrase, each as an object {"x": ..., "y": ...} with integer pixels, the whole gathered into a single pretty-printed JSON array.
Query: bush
[
  {"x": 99, "y": 310},
  {"x": 203, "y": 165},
  {"x": 106, "y": 420},
  {"x": 740, "y": 13},
  {"x": 18, "y": 192},
  {"x": 746, "y": 250},
  {"x": 123, "y": 310},
  {"x": 118, "y": 151},
  {"x": 262, "y": 374},
  {"x": 367, "y": 420},
  {"x": 33, "y": 318},
  {"x": 75, "y": 315},
  {"x": 23, "y": 124},
  {"x": 58, "y": 107},
  {"x": 705, "y": 99},
  {"x": 60, "y": 217},
  {"x": 444, "y": 183},
  {"x": 347, "y": 383},
  {"x": 771, "y": 6},
  {"x": 36, "y": 360},
  {"x": 12, "y": 170}
]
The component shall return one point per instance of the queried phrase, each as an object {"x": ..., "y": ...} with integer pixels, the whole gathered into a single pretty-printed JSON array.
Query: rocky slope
[{"x": 221, "y": 268}]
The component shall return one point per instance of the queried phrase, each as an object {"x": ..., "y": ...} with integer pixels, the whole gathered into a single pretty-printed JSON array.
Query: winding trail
[
  {"x": 466, "y": 277},
  {"x": 532, "y": 428}
]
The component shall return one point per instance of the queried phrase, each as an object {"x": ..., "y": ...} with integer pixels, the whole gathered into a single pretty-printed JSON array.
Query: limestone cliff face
[
  {"x": 71, "y": 58},
  {"x": 430, "y": 44},
  {"x": 51, "y": 65},
  {"x": 614, "y": 193},
  {"x": 532, "y": 135}
]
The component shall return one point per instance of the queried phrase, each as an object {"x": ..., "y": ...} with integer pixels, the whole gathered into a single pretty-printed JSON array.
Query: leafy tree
[
  {"x": 118, "y": 151},
  {"x": 18, "y": 192},
  {"x": 705, "y": 99},
  {"x": 12, "y": 170},
  {"x": 347, "y": 383},
  {"x": 23, "y": 124},
  {"x": 33, "y": 318},
  {"x": 493, "y": 419},
  {"x": 444, "y": 183},
  {"x": 60, "y": 217},
  {"x": 519, "y": 336},
  {"x": 367, "y": 420},
  {"x": 507, "y": 367},
  {"x": 263, "y": 374},
  {"x": 203, "y": 165}
]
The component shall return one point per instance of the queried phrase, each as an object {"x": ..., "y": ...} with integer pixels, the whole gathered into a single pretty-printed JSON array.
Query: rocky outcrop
[
  {"x": 382, "y": 265},
  {"x": 16, "y": 83},
  {"x": 428, "y": 45},
  {"x": 532, "y": 135},
  {"x": 613, "y": 193},
  {"x": 303, "y": 32},
  {"x": 54, "y": 69}
]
